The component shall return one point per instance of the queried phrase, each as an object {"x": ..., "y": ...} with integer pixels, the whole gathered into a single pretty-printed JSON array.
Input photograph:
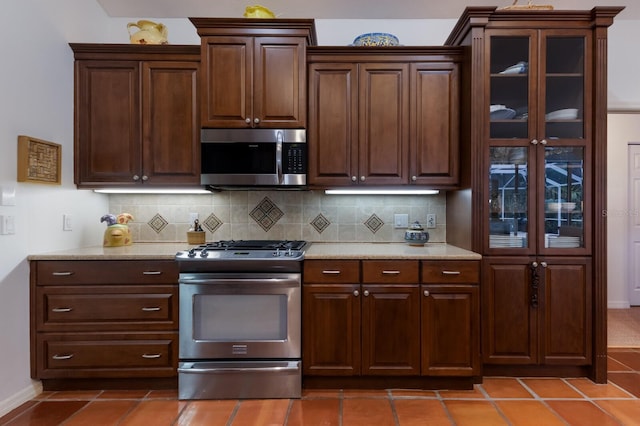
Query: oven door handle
[
  {"x": 294, "y": 367},
  {"x": 222, "y": 281}
]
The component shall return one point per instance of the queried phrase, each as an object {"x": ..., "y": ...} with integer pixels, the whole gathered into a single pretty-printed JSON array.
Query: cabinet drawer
[
  {"x": 107, "y": 355},
  {"x": 56, "y": 272},
  {"x": 390, "y": 271},
  {"x": 332, "y": 271},
  {"x": 451, "y": 271},
  {"x": 75, "y": 308}
]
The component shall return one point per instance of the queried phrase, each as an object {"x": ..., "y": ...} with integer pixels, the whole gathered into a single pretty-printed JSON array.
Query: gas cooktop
[{"x": 254, "y": 245}]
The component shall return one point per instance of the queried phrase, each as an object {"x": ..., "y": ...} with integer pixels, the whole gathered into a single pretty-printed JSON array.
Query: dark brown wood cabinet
[
  {"x": 534, "y": 161},
  {"x": 254, "y": 72},
  {"x": 136, "y": 115},
  {"x": 383, "y": 118},
  {"x": 538, "y": 311},
  {"x": 104, "y": 320},
  {"x": 450, "y": 318},
  {"x": 391, "y": 318}
]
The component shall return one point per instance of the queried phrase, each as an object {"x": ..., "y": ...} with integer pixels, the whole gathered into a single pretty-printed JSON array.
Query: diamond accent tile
[
  {"x": 320, "y": 223},
  {"x": 212, "y": 222},
  {"x": 266, "y": 213},
  {"x": 157, "y": 223},
  {"x": 374, "y": 223}
]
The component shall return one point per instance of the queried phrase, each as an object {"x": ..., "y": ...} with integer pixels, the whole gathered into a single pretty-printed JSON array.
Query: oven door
[{"x": 227, "y": 316}]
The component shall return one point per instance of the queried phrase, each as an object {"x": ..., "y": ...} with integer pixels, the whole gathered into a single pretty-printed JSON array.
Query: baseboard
[
  {"x": 620, "y": 304},
  {"x": 21, "y": 397}
]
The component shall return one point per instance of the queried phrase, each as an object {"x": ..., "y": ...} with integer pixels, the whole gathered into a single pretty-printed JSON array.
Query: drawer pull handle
[
  {"x": 151, "y": 356},
  {"x": 61, "y": 309},
  {"x": 331, "y": 272},
  {"x": 450, "y": 272},
  {"x": 151, "y": 272},
  {"x": 391, "y": 272},
  {"x": 151, "y": 308},
  {"x": 62, "y": 357},
  {"x": 62, "y": 274}
]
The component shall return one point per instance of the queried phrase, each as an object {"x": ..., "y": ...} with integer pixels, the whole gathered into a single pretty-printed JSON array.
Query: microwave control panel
[{"x": 295, "y": 158}]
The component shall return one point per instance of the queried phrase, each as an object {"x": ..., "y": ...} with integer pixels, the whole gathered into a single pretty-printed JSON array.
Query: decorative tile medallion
[
  {"x": 157, "y": 223},
  {"x": 374, "y": 223},
  {"x": 266, "y": 213},
  {"x": 320, "y": 223},
  {"x": 212, "y": 222}
]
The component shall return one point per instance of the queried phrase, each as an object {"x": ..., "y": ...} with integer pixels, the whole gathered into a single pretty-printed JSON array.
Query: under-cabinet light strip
[
  {"x": 152, "y": 191},
  {"x": 381, "y": 191}
]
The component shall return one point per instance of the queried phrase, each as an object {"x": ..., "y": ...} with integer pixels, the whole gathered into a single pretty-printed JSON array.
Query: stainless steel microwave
[{"x": 254, "y": 157}]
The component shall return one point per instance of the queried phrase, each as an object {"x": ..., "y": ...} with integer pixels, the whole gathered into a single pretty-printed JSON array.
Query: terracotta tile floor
[{"x": 497, "y": 401}]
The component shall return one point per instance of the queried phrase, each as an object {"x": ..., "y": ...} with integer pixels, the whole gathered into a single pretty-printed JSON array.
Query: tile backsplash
[{"x": 292, "y": 215}]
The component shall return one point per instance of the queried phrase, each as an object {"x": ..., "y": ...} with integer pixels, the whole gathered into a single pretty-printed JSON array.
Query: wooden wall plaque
[{"x": 38, "y": 161}]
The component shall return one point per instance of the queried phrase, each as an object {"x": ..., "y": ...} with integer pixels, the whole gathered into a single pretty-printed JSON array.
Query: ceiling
[{"x": 338, "y": 9}]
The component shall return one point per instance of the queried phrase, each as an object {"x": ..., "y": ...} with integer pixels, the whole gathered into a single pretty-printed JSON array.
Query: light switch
[
  {"x": 8, "y": 195},
  {"x": 7, "y": 225},
  {"x": 401, "y": 220}
]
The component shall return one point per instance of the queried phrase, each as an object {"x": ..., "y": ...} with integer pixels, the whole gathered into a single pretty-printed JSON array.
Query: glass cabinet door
[
  {"x": 509, "y": 189},
  {"x": 509, "y": 86},
  {"x": 564, "y": 82},
  {"x": 564, "y": 197}
]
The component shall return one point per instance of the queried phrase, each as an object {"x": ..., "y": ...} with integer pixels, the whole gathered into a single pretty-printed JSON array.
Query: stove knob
[
  {"x": 192, "y": 253},
  {"x": 204, "y": 253},
  {"x": 289, "y": 253}
]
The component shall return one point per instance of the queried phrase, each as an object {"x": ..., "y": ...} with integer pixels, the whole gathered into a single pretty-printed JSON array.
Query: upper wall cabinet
[
  {"x": 136, "y": 115},
  {"x": 254, "y": 72},
  {"x": 383, "y": 116}
]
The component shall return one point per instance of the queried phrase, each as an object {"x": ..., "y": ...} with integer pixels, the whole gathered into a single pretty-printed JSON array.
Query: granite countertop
[
  {"x": 160, "y": 251},
  {"x": 388, "y": 251}
]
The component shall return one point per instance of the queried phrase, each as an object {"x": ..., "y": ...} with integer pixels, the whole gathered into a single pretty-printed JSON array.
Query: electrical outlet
[
  {"x": 431, "y": 220},
  {"x": 192, "y": 218},
  {"x": 401, "y": 220},
  {"x": 66, "y": 222}
]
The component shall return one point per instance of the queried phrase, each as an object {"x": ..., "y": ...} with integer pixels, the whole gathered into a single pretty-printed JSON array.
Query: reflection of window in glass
[
  {"x": 564, "y": 195},
  {"x": 508, "y": 188}
]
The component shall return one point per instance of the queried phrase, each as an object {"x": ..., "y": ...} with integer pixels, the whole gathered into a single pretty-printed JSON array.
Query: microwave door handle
[{"x": 279, "y": 140}]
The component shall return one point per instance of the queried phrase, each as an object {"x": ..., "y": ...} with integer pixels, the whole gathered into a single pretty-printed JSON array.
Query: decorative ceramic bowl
[{"x": 376, "y": 39}]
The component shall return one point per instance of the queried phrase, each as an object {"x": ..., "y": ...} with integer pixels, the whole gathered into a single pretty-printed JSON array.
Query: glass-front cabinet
[{"x": 538, "y": 127}]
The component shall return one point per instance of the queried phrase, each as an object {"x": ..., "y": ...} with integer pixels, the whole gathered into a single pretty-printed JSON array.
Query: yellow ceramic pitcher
[{"x": 149, "y": 32}]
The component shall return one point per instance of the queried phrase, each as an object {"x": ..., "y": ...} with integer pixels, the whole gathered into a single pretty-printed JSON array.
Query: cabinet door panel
[
  {"x": 509, "y": 319},
  {"x": 435, "y": 124},
  {"x": 333, "y": 130},
  {"x": 279, "y": 93},
  {"x": 331, "y": 330},
  {"x": 567, "y": 318},
  {"x": 384, "y": 123},
  {"x": 450, "y": 330},
  {"x": 390, "y": 330},
  {"x": 227, "y": 82},
  {"x": 107, "y": 134},
  {"x": 171, "y": 150}
]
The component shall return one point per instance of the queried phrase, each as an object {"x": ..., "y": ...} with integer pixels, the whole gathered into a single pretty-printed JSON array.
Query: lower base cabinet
[
  {"x": 96, "y": 321},
  {"x": 391, "y": 318}
]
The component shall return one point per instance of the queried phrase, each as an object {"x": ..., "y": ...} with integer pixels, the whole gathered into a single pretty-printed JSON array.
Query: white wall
[{"x": 36, "y": 82}]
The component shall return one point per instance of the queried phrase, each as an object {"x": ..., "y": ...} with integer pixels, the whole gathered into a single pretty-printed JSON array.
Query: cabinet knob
[
  {"x": 535, "y": 141},
  {"x": 145, "y": 177},
  {"x": 356, "y": 293},
  {"x": 534, "y": 264},
  {"x": 354, "y": 179},
  {"x": 136, "y": 178},
  {"x": 543, "y": 141},
  {"x": 362, "y": 178},
  {"x": 414, "y": 178},
  {"x": 247, "y": 120},
  {"x": 543, "y": 264},
  {"x": 426, "y": 293},
  {"x": 256, "y": 120},
  {"x": 366, "y": 292}
]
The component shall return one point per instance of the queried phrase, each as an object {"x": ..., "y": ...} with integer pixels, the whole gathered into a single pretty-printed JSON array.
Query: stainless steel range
[{"x": 240, "y": 317}]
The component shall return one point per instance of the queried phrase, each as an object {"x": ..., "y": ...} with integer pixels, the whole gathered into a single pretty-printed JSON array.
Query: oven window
[{"x": 240, "y": 317}]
